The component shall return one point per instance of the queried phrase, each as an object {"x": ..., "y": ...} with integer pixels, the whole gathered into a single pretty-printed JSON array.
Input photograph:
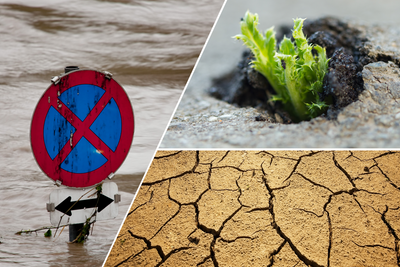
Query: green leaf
[
  {"x": 263, "y": 48},
  {"x": 287, "y": 47},
  {"x": 48, "y": 233},
  {"x": 298, "y": 84},
  {"x": 316, "y": 108}
]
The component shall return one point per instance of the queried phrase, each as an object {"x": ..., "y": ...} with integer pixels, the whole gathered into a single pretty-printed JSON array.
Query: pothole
[{"x": 344, "y": 44}]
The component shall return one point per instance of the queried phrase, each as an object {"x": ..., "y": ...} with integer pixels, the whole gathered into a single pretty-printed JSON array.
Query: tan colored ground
[{"x": 268, "y": 208}]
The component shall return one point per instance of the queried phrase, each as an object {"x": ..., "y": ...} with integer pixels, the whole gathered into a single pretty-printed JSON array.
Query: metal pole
[{"x": 74, "y": 229}]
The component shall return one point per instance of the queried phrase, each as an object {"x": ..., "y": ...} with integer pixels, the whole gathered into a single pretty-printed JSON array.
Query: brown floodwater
[{"x": 149, "y": 46}]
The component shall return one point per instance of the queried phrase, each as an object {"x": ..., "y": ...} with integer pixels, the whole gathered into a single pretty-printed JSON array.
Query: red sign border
[{"x": 50, "y": 98}]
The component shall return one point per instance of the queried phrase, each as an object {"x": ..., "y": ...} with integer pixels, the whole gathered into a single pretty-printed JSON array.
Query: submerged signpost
[{"x": 81, "y": 132}]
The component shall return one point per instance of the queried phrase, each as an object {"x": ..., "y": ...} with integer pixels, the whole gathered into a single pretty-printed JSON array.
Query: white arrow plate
[{"x": 80, "y": 215}]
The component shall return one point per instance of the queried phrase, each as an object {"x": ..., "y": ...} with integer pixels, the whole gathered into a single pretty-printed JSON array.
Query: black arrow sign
[{"x": 100, "y": 203}]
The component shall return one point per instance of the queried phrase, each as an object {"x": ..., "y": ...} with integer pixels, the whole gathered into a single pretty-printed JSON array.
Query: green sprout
[{"x": 295, "y": 73}]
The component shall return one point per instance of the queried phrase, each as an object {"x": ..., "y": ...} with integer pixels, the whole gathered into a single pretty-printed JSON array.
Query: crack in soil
[
  {"x": 297, "y": 164},
  {"x": 387, "y": 177},
  {"x": 349, "y": 49},
  {"x": 343, "y": 170},
  {"x": 330, "y": 237},
  {"x": 216, "y": 222},
  {"x": 314, "y": 183},
  {"x": 371, "y": 246},
  {"x": 168, "y": 155},
  {"x": 386, "y": 85},
  {"x": 275, "y": 252},
  {"x": 393, "y": 233},
  {"x": 279, "y": 231}
]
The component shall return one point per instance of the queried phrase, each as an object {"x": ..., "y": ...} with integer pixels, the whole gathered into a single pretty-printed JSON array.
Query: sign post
[{"x": 81, "y": 132}]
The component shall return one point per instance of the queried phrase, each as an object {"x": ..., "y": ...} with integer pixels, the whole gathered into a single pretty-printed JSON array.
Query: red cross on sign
[{"x": 82, "y": 128}]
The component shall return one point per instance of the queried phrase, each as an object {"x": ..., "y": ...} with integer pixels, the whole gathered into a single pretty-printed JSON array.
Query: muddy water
[{"x": 149, "y": 46}]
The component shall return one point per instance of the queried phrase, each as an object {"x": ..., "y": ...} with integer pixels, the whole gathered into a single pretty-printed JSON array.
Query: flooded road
[{"x": 149, "y": 46}]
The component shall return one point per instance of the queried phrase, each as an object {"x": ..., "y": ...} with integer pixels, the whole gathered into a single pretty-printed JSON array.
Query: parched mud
[{"x": 264, "y": 208}]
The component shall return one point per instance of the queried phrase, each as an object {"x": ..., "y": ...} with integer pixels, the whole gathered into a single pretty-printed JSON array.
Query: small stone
[
  {"x": 226, "y": 116},
  {"x": 176, "y": 126},
  {"x": 212, "y": 118},
  {"x": 204, "y": 104},
  {"x": 278, "y": 118},
  {"x": 261, "y": 117}
]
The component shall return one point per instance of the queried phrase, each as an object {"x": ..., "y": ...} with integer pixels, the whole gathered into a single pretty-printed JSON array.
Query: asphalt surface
[{"x": 201, "y": 121}]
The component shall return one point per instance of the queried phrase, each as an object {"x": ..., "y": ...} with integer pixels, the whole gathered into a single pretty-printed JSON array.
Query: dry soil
[{"x": 264, "y": 208}]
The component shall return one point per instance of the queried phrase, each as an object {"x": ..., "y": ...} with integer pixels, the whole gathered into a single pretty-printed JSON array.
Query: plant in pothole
[{"x": 296, "y": 71}]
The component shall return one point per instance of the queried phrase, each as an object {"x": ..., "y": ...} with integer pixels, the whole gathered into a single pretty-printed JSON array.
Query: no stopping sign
[{"x": 82, "y": 128}]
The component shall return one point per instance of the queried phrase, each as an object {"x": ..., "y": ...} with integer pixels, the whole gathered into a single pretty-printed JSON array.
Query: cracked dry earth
[{"x": 264, "y": 208}]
